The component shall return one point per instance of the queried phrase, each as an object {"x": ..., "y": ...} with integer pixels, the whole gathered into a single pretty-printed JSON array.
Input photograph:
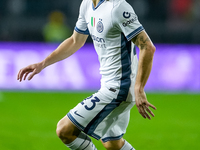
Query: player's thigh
[
  {"x": 92, "y": 109},
  {"x": 65, "y": 126},
  {"x": 121, "y": 116}
]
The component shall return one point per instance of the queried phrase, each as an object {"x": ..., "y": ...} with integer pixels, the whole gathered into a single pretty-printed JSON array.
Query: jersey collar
[{"x": 100, "y": 2}]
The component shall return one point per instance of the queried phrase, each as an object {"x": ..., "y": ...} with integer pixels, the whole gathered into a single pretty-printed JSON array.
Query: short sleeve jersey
[{"x": 111, "y": 24}]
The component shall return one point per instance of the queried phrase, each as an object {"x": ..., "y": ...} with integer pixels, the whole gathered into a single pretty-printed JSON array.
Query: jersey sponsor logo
[
  {"x": 126, "y": 15},
  {"x": 100, "y": 45},
  {"x": 129, "y": 21},
  {"x": 100, "y": 26},
  {"x": 97, "y": 39}
]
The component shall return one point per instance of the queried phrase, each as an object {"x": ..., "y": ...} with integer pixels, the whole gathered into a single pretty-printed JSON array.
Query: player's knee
[
  {"x": 66, "y": 131},
  {"x": 62, "y": 130},
  {"x": 114, "y": 145}
]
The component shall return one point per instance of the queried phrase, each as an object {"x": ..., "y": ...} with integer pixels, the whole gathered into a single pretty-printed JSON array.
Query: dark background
[{"x": 166, "y": 21}]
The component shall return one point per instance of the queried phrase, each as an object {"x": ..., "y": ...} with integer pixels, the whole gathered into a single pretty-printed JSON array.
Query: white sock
[
  {"x": 82, "y": 142},
  {"x": 127, "y": 146}
]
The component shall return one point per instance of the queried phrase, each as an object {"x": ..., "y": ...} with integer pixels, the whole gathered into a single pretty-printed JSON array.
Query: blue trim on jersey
[
  {"x": 124, "y": 87},
  {"x": 134, "y": 33},
  {"x": 89, "y": 129},
  {"x": 80, "y": 127},
  {"x": 112, "y": 138},
  {"x": 100, "y": 2},
  {"x": 95, "y": 136},
  {"x": 81, "y": 31},
  {"x": 126, "y": 67},
  {"x": 75, "y": 122}
]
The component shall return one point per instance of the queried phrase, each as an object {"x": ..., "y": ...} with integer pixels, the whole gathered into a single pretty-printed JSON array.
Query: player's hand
[
  {"x": 33, "y": 69},
  {"x": 143, "y": 105}
]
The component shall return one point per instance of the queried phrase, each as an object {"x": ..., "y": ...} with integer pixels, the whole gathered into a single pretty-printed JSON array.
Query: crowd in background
[{"x": 166, "y": 21}]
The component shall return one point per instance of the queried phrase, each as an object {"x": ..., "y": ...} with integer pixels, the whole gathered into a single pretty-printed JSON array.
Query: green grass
[{"x": 28, "y": 121}]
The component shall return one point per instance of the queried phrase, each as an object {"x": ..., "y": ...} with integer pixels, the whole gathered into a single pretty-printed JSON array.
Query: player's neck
[{"x": 95, "y": 2}]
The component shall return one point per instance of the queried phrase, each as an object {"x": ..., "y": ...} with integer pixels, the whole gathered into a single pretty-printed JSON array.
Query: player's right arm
[
  {"x": 64, "y": 50},
  {"x": 147, "y": 49}
]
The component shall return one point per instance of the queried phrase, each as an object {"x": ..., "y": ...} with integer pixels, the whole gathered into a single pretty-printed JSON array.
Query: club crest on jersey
[
  {"x": 126, "y": 14},
  {"x": 100, "y": 26}
]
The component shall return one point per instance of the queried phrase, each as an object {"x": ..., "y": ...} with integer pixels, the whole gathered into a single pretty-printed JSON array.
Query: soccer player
[{"x": 115, "y": 30}]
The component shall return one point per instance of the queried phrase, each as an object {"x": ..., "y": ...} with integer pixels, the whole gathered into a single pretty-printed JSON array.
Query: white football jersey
[{"x": 112, "y": 24}]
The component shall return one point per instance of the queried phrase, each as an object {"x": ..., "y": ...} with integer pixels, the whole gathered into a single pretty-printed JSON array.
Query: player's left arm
[{"x": 147, "y": 49}]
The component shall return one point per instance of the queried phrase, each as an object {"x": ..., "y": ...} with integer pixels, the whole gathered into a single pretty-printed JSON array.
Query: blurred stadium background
[{"x": 29, "y": 111}]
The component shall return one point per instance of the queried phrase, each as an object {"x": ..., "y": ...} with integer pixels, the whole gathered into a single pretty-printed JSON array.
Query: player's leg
[
  {"x": 95, "y": 116},
  {"x": 120, "y": 144},
  {"x": 72, "y": 137},
  {"x": 113, "y": 140},
  {"x": 66, "y": 130},
  {"x": 111, "y": 145}
]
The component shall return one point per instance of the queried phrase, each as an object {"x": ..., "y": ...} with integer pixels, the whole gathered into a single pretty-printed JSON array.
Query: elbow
[{"x": 152, "y": 49}]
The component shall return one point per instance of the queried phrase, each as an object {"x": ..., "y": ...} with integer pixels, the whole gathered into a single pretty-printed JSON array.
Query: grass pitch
[{"x": 28, "y": 121}]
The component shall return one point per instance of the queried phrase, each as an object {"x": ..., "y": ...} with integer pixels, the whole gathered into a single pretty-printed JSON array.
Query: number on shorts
[{"x": 94, "y": 101}]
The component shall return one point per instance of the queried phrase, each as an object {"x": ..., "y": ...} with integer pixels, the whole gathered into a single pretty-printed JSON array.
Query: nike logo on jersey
[{"x": 78, "y": 114}]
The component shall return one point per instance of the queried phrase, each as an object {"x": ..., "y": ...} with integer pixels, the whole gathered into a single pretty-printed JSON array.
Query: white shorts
[{"x": 104, "y": 115}]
